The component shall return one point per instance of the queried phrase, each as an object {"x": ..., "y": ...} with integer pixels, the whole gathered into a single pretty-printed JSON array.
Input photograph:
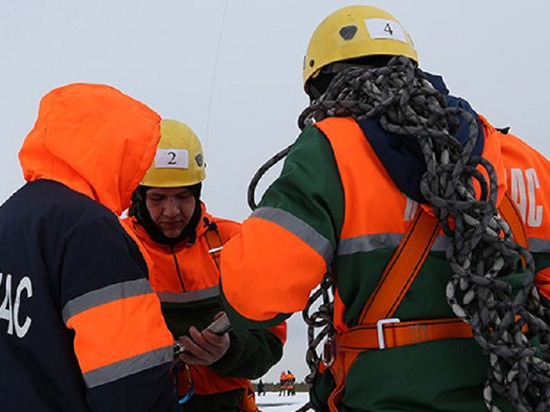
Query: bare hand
[{"x": 203, "y": 348}]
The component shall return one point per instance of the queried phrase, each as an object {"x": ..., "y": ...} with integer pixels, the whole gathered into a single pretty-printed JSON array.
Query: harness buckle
[{"x": 380, "y": 329}]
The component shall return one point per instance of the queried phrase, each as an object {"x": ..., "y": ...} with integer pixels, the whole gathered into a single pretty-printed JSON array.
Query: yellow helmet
[
  {"x": 352, "y": 32},
  {"x": 179, "y": 160}
]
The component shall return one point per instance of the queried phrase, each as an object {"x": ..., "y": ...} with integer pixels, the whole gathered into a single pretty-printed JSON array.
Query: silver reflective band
[
  {"x": 192, "y": 296},
  {"x": 127, "y": 367},
  {"x": 104, "y": 295},
  {"x": 298, "y": 227},
  {"x": 369, "y": 243},
  {"x": 539, "y": 245}
]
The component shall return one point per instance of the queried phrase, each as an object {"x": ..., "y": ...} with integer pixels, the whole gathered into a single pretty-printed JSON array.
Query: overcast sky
[{"x": 231, "y": 69}]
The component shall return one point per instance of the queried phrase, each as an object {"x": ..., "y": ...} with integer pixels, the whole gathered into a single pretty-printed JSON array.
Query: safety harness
[{"x": 377, "y": 328}]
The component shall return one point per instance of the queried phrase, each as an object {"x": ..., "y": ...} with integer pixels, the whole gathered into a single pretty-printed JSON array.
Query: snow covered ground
[{"x": 272, "y": 402}]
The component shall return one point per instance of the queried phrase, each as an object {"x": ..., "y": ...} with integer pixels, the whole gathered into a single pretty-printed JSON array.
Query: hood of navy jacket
[{"x": 93, "y": 139}]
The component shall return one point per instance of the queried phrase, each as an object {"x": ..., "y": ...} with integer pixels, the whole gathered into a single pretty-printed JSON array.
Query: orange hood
[{"x": 93, "y": 139}]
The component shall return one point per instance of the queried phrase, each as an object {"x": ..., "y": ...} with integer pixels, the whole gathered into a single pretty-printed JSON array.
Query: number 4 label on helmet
[
  {"x": 385, "y": 29},
  {"x": 172, "y": 158}
]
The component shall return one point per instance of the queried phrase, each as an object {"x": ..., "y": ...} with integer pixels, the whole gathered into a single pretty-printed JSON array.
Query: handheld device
[{"x": 219, "y": 327}]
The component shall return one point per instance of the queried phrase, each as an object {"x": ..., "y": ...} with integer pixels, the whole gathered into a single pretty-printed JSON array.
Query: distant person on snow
[
  {"x": 389, "y": 161},
  {"x": 80, "y": 327},
  {"x": 261, "y": 389},
  {"x": 291, "y": 379},
  {"x": 282, "y": 384},
  {"x": 183, "y": 242}
]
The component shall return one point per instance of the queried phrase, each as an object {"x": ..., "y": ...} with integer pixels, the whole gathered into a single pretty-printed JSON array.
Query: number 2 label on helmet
[
  {"x": 385, "y": 29},
  {"x": 172, "y": 158}
]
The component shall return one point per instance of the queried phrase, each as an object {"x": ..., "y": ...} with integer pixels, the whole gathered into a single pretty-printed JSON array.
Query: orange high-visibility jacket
[{"x": 186, "y": 279}]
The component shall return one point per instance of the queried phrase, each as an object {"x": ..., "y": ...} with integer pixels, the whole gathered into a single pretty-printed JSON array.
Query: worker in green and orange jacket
[
  {"x": 348, "y": 192},
  {"x": 183, "y": 242}
]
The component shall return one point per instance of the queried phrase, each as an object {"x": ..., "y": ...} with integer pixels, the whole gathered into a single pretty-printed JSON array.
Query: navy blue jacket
[
  {"x": 46, "y": 232},
  {"x": 80, "y": 327}
]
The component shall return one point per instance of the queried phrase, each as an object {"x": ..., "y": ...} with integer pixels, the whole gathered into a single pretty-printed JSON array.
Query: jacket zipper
[{"x": 178, "y": 269}]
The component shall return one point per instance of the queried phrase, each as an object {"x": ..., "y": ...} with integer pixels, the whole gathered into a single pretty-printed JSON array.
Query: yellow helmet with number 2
[
  {"x": 352, "y": 32},
  {"x": 179, "y": 160}
]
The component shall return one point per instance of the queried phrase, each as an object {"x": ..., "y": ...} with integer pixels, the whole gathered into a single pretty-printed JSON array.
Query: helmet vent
[
  {"x": 199, "y": 159},
  {"x": 348, "y": 32}
]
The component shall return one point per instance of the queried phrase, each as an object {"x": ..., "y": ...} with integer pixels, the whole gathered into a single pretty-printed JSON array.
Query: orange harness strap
[
  {"x": 509, "y": 211},
  {"x": 215, "y": 244},
  {"x": 390, "y": 335},
  {"x": 376, "y": 329}
]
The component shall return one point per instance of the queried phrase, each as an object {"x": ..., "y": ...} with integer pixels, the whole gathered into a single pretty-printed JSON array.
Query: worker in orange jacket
[
  {"x": 527, "y": 174},
  {"x": 80, "y": 327},
  {"x": 282, "y": 383},
  {"x": 183, "y": 243},
  {"x": 291, "y": 379},
  {"x": 395, "y": 193}
]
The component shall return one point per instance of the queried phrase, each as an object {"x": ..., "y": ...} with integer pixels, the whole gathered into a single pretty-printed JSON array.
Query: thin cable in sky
[{"x": 211, "y": 96}]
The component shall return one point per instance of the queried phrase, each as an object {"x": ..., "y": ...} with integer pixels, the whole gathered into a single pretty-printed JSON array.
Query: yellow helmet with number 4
[
  {"x": 179, "y": 160},
  {"x": 353, "y": 32}
]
